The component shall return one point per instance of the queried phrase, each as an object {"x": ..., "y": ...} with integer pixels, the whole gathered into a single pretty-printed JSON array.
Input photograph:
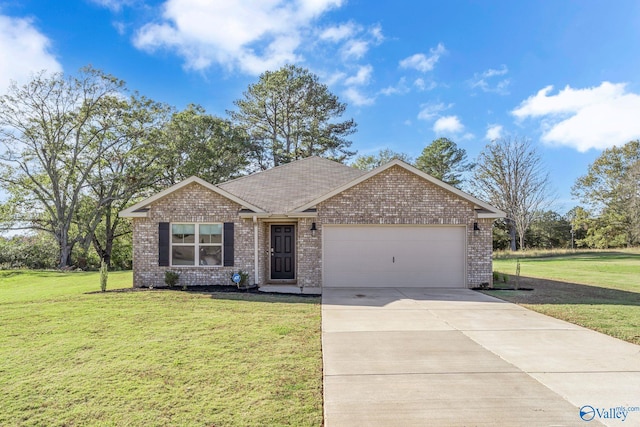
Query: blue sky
[{"x": 562, "y": 73}]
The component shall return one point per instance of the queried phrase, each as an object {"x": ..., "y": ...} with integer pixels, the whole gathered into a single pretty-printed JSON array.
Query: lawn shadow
[
  {"x": 232, "y": 292},
  {"x": 557, "y": 292},
  {"x": 5, "y": 274},
  {"x": 582, "y": 254},
  {"x": 592, "y": 256},
  {"x": 226, "y": 292}
]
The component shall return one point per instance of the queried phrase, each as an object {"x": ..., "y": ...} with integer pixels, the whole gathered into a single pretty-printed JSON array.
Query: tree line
[{"x": 77, "y": 149}]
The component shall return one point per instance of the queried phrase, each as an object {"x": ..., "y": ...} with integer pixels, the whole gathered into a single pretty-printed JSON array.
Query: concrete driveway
[{"x": 441, "y": 357}]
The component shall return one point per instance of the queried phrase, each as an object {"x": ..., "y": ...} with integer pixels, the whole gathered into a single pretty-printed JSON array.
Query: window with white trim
[{"x": 196, "y": 244}]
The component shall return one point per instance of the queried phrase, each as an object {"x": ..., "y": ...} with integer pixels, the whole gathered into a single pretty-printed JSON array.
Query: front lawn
[
  {"x": 598, "y": 290},
  {"x": 154, "y": 358}
]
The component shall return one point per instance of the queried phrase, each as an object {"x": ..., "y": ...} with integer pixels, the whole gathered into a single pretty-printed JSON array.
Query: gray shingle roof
[{"x": 284, "y": 188}]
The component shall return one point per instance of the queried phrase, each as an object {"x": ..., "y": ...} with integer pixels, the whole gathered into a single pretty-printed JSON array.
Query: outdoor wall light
[
  {"x": 475, "y": 227},
  {"x": 313, "y": 229}
]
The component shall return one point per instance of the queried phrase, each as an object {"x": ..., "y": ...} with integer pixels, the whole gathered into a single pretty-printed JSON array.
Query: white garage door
[{"x": 385, "y": 256}]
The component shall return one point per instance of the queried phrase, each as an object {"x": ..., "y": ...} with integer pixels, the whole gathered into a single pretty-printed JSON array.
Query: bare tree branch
[{"x": 510, "y": 175}]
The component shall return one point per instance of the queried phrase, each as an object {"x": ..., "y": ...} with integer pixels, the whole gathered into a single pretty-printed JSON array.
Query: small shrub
[
  {"x": 505, "y": 277},
  {"x": 104, "y": 275},
  {"x": 171, "y": 278},
  {"x": 496, "y": 276}
]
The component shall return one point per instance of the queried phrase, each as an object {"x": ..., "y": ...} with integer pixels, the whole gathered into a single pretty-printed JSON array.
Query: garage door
[{"x": 384, "y": 256}]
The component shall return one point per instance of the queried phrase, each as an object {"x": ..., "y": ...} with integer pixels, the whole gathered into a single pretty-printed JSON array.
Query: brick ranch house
[{"x": 315, "y": 223}]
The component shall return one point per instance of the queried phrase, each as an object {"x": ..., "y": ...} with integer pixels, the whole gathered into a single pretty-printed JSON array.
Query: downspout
[{"x": 256, "y": 277}]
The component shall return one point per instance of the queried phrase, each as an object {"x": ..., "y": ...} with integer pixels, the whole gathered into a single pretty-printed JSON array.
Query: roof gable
[
  {"x": 140, "y": 209},
  {"x": 484, "y": 209}
]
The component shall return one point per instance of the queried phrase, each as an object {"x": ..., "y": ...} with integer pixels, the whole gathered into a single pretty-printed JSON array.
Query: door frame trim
[{"x": 293, "y": 281}]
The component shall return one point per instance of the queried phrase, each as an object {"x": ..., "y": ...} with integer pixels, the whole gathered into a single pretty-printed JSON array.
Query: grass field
[
  {"x": 154, "y": 358},
  {"x": 598, "y": 290}
]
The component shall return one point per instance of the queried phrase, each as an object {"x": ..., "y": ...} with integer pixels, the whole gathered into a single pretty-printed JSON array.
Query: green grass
[
  {"x": 610, "y": 269},
  {"x": 598, "y": 290},
  {"x": 154, "y": 358}
]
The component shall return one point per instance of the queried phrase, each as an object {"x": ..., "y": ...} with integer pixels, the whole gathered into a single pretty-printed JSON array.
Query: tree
[
  {"x": 611, "y": 189},
  {"x": 443, "y": 159},
  {"x": 127, "y": 168},
  {"x": 51, "y": 131},
  {"x": 289, "y": 115},
  {"x": 510, "y": 175},
  {"x": 65, "y": 143},
  {"x": 196, "y": 143},
  {"x": 372, "y": 161},
  {"x": 578, "y": 219},
  {"x": 549, "y": 230},
  {"x": 34, "y": 250},
  {"x": 631, "y": 185}
]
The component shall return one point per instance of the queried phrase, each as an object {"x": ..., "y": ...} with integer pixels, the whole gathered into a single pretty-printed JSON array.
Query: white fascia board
[
  {"x": 279, "y": 215},
  {"x": 495, "y": 215},
  {"x": 245, "y": 215},
  {"x": 124, "y": 214},
  {"x": 130, "y": 211}
]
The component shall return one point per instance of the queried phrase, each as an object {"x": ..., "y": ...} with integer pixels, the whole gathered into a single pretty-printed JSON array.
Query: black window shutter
[
  {"x": 228, "y": 244},
  {"x": 163, "y": 244}
]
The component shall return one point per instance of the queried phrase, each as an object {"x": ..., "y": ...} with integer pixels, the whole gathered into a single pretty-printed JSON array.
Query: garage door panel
[{"x": 405, "y": 256}]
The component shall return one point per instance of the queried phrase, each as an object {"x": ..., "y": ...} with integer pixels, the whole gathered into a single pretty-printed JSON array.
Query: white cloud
[
  {"x": 355, "y": 49},
  {"x": 355, "y": 39},
  {"x": 400, "y": 88},
  {"x": 354, "y": 96},
  {"x": 422, "y": 62},
  {"x": 362, "y": 77},
  {"x": 491, "y": 72},
  {"x": 28, "y": 50},
  {"x": 595, "y": 117},
  {"x": 241, "y": 34},
  {"x": 431, "y": 111},
  {"x": 120, "y": 27},
  {"x": 493, "y": 132},
  {"x": 376, "y": 33},
  {"x": 448, "y": 124},
  {"x": 422, "y": 85},
  {"x": 339, "y": 32},
  {"x": 334, "y": 78},
  {"x": 482, "y": 81},
  {"x": 114, "y": 5}
]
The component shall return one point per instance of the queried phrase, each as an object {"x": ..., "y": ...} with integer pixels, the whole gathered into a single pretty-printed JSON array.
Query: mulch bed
[{"x": 203, "y": 290}]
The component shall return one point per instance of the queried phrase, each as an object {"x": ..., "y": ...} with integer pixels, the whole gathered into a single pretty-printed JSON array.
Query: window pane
[
  {"x": 183, "y": 255},
  {"x": 210, "y": 255},
  {"x": 210, "y": 233},
  {"x": 183, "y": 233}
]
